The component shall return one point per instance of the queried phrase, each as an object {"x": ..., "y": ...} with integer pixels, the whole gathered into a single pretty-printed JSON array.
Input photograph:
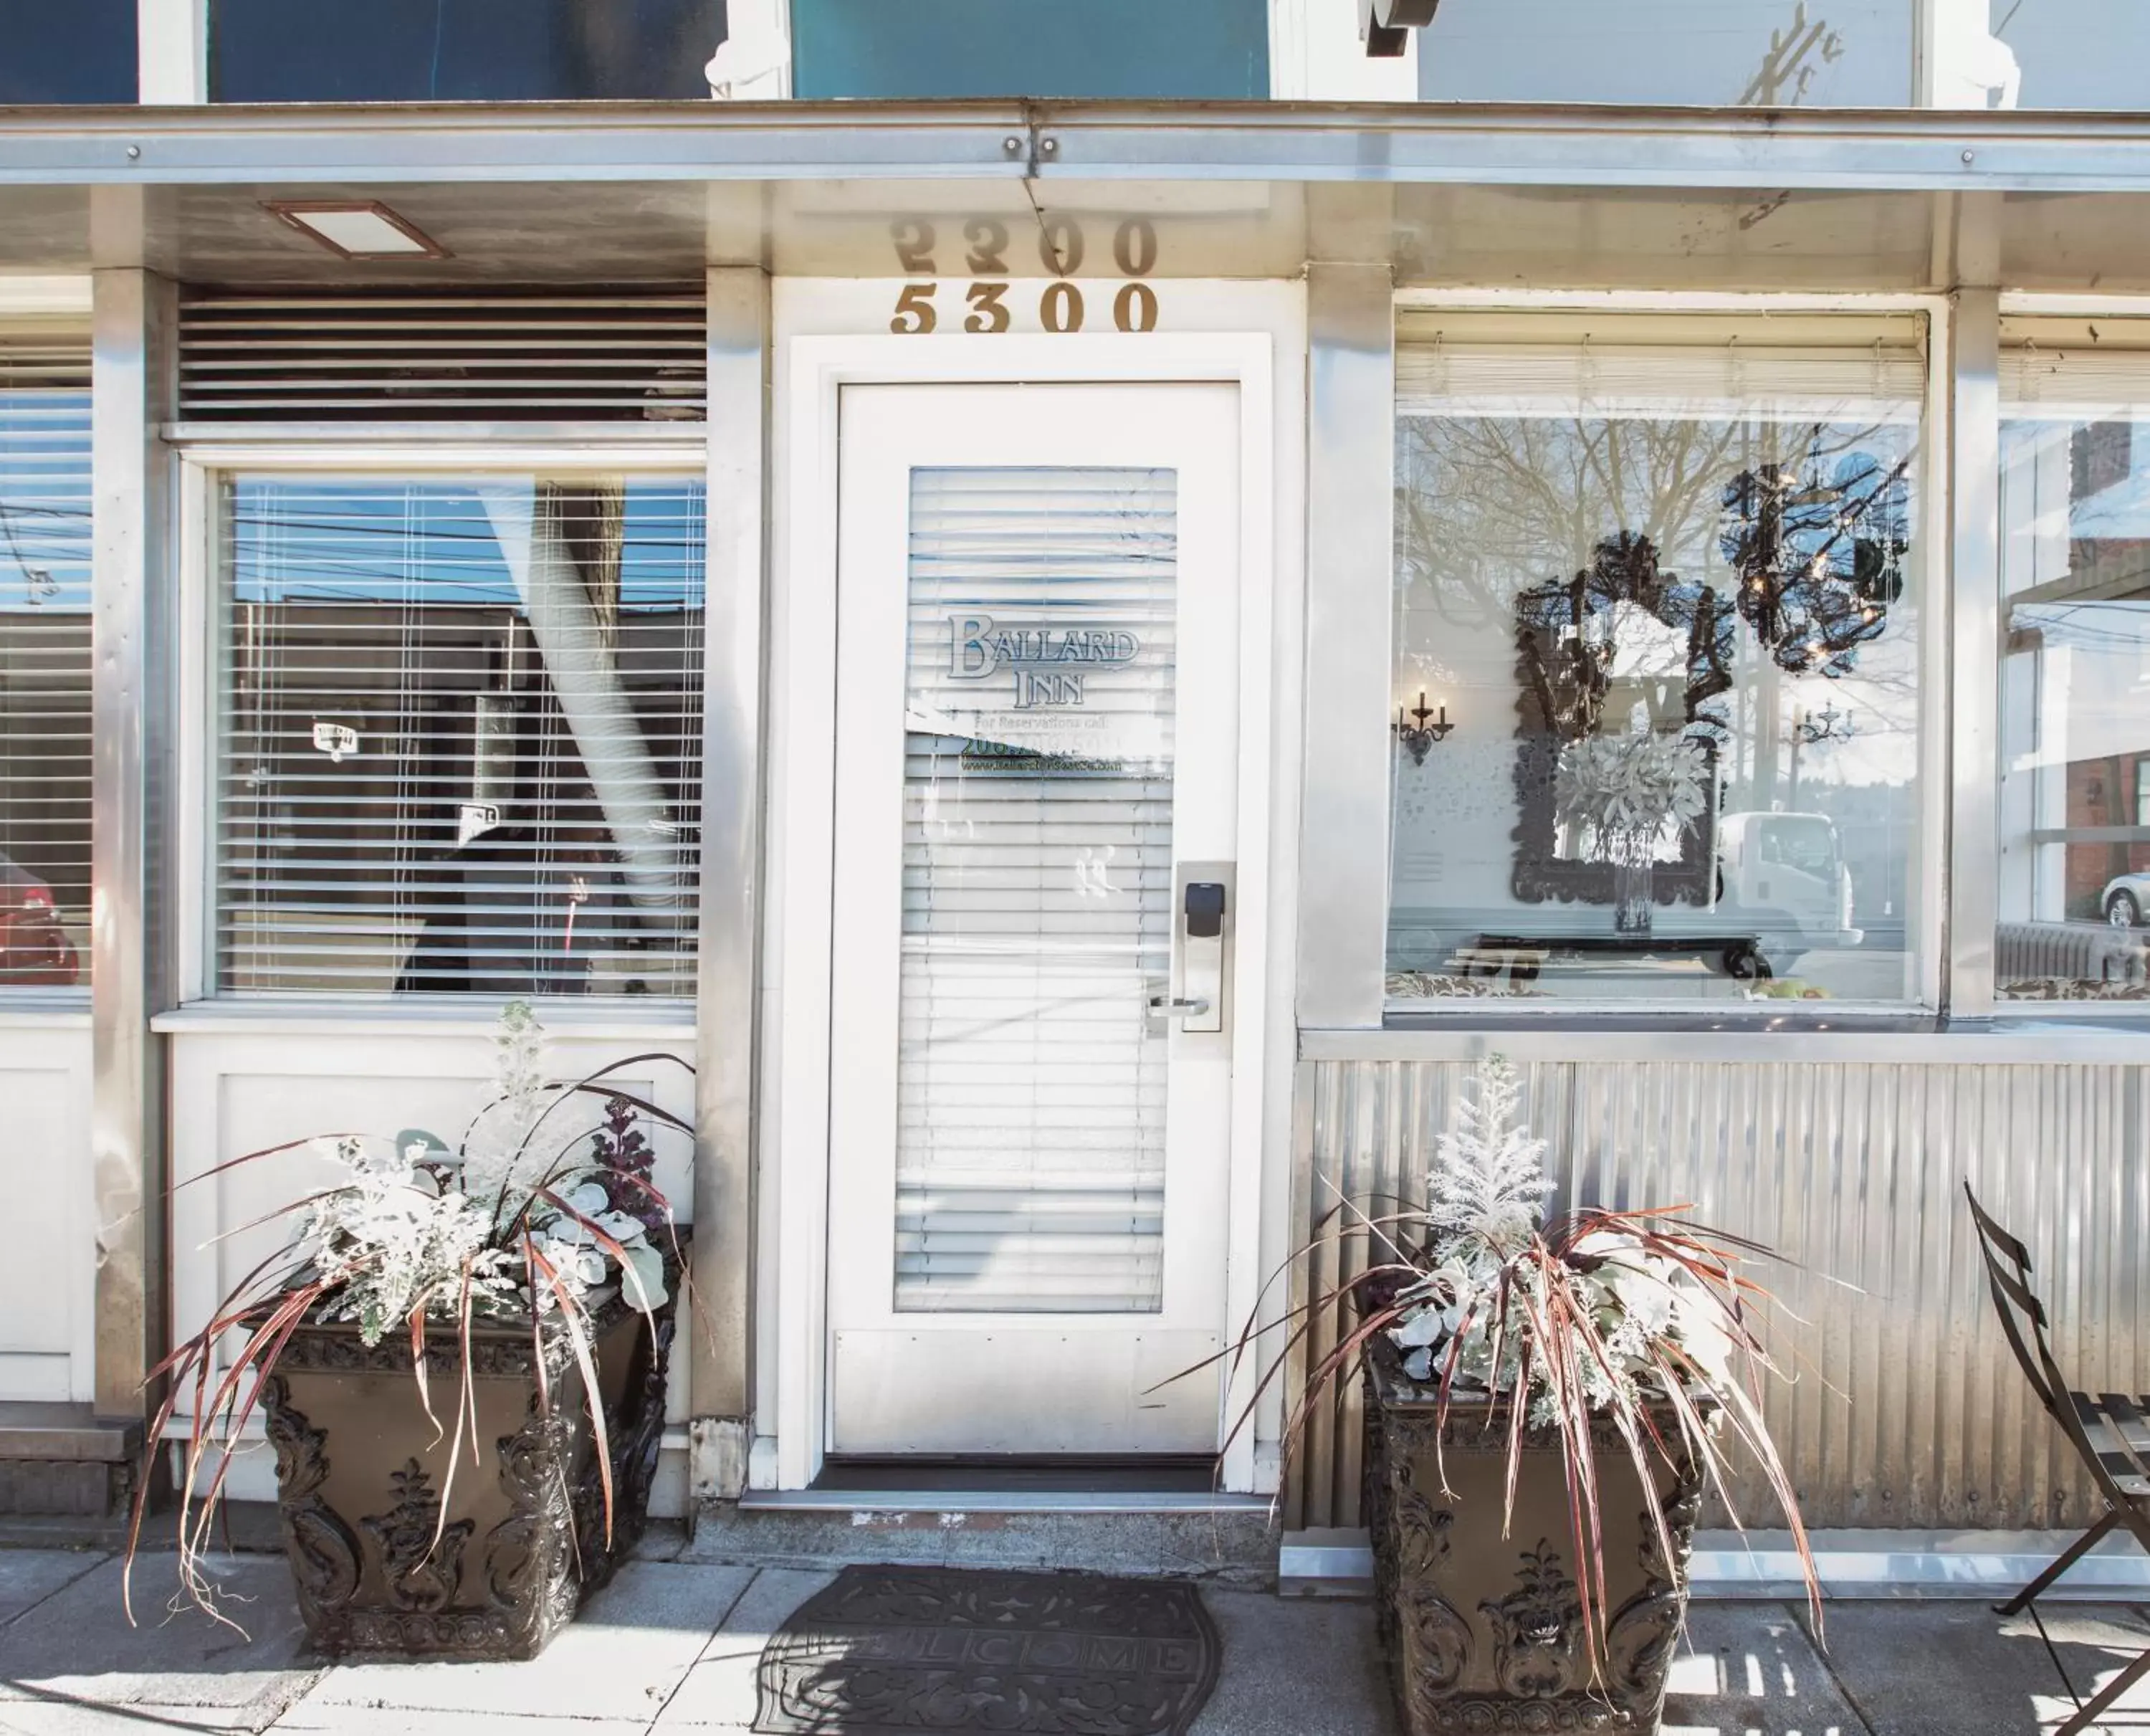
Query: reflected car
[
  {"x": 34, "y": 949},
  {"x": 2124, "y": 900}
]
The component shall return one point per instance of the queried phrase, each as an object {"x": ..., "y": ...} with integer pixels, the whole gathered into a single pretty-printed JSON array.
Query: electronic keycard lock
[{"x": 1202, "y": 897}]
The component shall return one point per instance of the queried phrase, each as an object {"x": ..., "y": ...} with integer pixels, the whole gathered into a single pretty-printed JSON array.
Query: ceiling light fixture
[{"x": 357, "y": 228}]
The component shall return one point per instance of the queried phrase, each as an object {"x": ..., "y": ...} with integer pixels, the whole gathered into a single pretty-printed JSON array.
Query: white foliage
[
  {"x": 1488, "y": 1181},
  {"x": 1484, "y": 1214},
  {"x": 413, "y": 1226},
  {"x": 1626, "y": 788}
]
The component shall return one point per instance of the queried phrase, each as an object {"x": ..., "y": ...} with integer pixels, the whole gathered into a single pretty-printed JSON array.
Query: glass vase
[{"x": 1634, "y": 883}]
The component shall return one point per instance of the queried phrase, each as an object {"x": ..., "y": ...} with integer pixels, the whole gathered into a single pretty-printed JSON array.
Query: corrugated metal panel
[
  {"x": 502, "y": 356},
  {"x": 1907, "y": 1410}
]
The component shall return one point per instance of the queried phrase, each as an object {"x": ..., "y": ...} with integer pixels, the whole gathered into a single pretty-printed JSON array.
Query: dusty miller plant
[{"x": 533, "y": 1216}]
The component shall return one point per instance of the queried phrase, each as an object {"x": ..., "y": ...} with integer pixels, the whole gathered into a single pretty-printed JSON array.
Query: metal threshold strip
[
  {"x": 989, "y": 1500},
  {"x": 953, "y": 1487},
  {"x": 1532, "y": 144}
]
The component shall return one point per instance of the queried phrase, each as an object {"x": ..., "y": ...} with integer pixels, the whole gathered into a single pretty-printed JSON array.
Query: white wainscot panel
[
  {"x": 47, "y": 1282},
  {"x": 233, "y": 1093}
]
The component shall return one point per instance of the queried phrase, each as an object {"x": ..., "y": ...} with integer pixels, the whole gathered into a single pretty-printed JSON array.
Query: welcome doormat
[{"x": 885, "y": 1649}]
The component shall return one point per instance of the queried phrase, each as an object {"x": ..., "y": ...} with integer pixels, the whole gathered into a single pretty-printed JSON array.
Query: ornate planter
[
  {"x": 1485, "y": 1633},
  {"x": 360, "y": 1475}
]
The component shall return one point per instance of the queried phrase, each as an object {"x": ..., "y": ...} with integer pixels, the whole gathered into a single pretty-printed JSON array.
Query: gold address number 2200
[{"x": 1060, "y": 305}]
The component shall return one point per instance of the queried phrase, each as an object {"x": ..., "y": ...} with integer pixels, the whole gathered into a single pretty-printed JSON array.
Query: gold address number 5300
[{"x": 1060, "y": 306}]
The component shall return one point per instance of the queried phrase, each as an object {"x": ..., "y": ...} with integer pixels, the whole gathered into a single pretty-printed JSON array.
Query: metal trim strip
[
  {"x": 1993, "y": 1043},
  {"x": 1729, "y": 1564},
  {"x": 1515, "y": 144}
]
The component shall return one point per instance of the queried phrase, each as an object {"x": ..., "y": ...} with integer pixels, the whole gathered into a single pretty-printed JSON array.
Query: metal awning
[{"x": 1574, "y": 196}]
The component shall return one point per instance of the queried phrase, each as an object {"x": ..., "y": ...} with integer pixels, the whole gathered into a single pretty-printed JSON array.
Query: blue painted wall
[
  {"x": 82, "y": 51},
  {"x": 1135, "y": 48},
  {"x": 413, "y": 50}
]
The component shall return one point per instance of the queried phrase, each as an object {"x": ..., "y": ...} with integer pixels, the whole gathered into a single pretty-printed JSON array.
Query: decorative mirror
[{"x": 1621, "y": 647}]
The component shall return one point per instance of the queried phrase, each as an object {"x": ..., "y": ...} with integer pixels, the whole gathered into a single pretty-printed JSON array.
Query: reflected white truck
[{"x": 1784, "y": 873}]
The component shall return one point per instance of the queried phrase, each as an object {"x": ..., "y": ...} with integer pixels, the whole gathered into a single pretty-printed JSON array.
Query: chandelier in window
[{"x": 1818, "y": 551}]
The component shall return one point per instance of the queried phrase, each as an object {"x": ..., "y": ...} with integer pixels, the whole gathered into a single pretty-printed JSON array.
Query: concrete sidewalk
[{"x": 672, "y": 1646}]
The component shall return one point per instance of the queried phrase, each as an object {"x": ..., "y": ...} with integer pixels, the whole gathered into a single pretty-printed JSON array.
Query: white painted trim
[
  {"x": 753, "y": 65},
  {"x": 1317, "y": 54},
  {"x": 193, "y": 878},
  {"x": 811, "y": 371},
  {"x": 171, "y": 53}
]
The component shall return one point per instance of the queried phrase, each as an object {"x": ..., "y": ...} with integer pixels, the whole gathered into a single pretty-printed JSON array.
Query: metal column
[
  {"x": 133, "y": 625},
  {"x": 721, "y": 1377},
  {"x": 1973, "y": 567},
  {"x": 1344, "y": 820}
]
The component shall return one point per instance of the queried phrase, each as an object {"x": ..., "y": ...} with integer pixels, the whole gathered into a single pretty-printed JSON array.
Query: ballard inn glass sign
[{"x": 1050, "y": 664}]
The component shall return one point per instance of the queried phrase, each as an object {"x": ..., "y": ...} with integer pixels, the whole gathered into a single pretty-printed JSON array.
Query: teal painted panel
[{"x": 1182, "y": 49}]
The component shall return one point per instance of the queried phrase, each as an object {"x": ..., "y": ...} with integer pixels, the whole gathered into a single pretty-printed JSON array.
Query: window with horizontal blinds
[
  {"x": 459, "y": 741},
  {"x": 1037, "y": 889},
  {"x": 44, "y": 660},
  {"x": 2073, "y": 888},
  {"x": 1657, "y": 701}
]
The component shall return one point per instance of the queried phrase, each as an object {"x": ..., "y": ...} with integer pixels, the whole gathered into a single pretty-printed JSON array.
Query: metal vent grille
[{"x": 305, "y": 358}]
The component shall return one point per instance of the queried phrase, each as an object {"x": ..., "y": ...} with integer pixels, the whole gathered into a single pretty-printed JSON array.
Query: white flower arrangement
[
  {"x": 531, "y": 1219},
  {"x": 509, "y": 1224},
  {"x": 1625, "y": 789},
  {"x": 1660, "y": 1308},
  {"x": 1557, "y": 1325}
]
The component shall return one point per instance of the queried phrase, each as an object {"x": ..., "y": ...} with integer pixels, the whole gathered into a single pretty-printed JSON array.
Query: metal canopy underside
[{"x": 1568, "y": 196}]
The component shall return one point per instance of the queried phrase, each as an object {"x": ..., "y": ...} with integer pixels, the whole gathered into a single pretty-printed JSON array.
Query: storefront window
[
  {"x": 1657, "y": 673},
  {"x": 2074, "y": 890},
  {"x": 44, "y": 663},
  {"x": 461, "y": 740}
]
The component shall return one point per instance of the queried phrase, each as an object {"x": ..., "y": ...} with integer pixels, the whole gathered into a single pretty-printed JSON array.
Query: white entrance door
[{"x": 1037, "y": 704}]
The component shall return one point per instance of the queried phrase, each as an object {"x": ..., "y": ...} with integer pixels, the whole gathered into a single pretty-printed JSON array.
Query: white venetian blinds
[
  {"x": 461, "y": 741},
  {"x": 1863, "y": 368},
  {"x": 44, "y": 658},
  {"x": 1037, "y": 889},
  {"x": 2070, "y": 369}
]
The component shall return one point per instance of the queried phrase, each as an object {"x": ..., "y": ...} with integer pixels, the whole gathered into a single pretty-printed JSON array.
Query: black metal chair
[{"x": 2108, "y": 1430}]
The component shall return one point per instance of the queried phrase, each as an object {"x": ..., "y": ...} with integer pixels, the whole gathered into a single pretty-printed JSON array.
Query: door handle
[{"x": 1179, "y": 1005}]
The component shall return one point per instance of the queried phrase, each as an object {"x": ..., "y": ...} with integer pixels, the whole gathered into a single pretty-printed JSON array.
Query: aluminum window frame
[
  {"x": 1977, "y": 870},
  {"x": 1341, "y": 641},
  {"x": 202, "y": 649}
]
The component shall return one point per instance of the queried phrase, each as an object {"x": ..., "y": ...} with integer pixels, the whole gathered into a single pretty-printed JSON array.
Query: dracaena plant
[
  {"x": 534, "y": 1216},
  {"x": 1543, "y": 1324}
]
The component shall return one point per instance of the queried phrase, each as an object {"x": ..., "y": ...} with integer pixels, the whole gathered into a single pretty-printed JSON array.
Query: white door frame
[{"x": 816, "y": 369}]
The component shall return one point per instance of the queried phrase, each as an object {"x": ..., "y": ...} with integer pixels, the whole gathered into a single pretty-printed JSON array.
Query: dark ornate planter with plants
[
  {"x": 379, "y": 1566},
  {"x": 460, "y": 1358},
  {"x": 1486, "y": 1632},
  {"x": 1546, "y": 1398}
]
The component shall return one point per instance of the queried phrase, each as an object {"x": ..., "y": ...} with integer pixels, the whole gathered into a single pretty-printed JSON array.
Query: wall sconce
[
  {"x": 1418, "y": 739},
  {"x": 1828, "y": 724}
]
